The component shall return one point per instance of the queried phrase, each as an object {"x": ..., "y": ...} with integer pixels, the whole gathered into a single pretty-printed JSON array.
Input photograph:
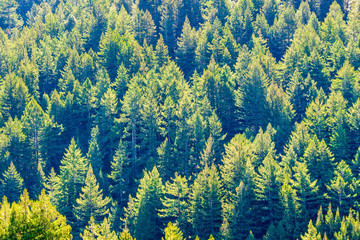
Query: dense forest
[{"x": 180, "y": 119}]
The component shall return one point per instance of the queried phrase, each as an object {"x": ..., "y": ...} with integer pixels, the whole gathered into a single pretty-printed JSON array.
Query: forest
[{"x": 180, "y": 119}]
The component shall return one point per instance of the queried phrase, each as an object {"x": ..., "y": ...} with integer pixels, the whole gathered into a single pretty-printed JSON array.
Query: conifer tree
[
  {"x": 236, "y": 161},
  {"x": 267, "y": 189},
  {"x": 205, "y": 203},
  {"x": 175, "y": 202},
  {"x": 341, "y": 188},
  {"x": 172, "y": 232},
  {"x": 185, "y": 52},
  {"x": 307, "y": 193},
  {"x": 98, "y": 231},
  {"x": 161, "y": 52},
  {"x": 52, "y": 187},
  {"x": 94, "y": 154},
  {"x": 143, "y": 210},
  {"x": 90, "y": 202},
  {"x": 319, "y": 161},
  {"x": 121, "y": 184},
  {"x": 28, "y": 219},
  {"x": 238, "y": 212},
  {"x": 72, "y": 176},
  {"x": 251, "y": 98},
  {"x": 12, "y": 184},
  {"x": 131, "y": 118}
]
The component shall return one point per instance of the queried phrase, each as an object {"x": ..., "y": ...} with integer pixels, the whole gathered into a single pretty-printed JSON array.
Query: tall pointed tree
[
  {"x": 205, "y": 203},
  {"x": 90, "y": 202},
  {"x": 72, "y": 176},
  {"x": 12, "y": 184}
]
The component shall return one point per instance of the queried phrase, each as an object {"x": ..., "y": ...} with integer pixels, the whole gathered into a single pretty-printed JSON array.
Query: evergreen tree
[
  {"x": 12, "y": 184},
  {"x": 172, "y": 232},
  {"x": 341, "y": 188},
  {"x": 94, "y": 155},
  {"x": 98, "y": 231},
  {"x": 72, "y": 176},
  {"x": 238, "y": 157},
  {"x": 237, "y": 212},
  {"x": 319, "y": 161},
  {"x": 13, "y": 96},
  {"x": 307, "y": 193},
  {"x": 205, "y": 203},
  {"x": 185, "y": 52},
  {"x": 175, "y": 202},
  {"x": 52, "y": 187},
  {"x": 240, "y": 19},
  {"x": 143, "y": 210},
  {"x": 251, "y": 99},
  {"x": 121, "y": 185},
  {"x": 90, "y": 202},
  {"x": 28, "y": 219},
  {"x": 267, "y": 189}
]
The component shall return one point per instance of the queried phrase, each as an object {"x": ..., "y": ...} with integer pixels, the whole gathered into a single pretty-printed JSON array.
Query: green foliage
[
  {"x": 205, "y": 203},
  {"x": 172, "y": 232},
  {"x": 176, "y": 202},
  {"x": 28, "y": 219},
  {"x": 72, "y": 176},
  {"x": 142, "y": 212},
  {"x": 90, "y": 202},
  {"x": 183, "y": 85},
  {"x": 12, "y": 184}
]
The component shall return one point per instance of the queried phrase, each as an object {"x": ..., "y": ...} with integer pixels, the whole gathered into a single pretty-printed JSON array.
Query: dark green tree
[
  {"x": 267, "y": 190},
  {"x": 185, "y": 52},
  {"x": 121, "y": 184},
  {"x": 146, "y": 206},
  {"x": 205, "y": 203},
  {"x": 176, "y": 202},
  {"x": 72, "y": 176},
  {"x": 251, "y": 99},
  {"x": 90, "y": 202},
  {"x": 12, "y": 184}
]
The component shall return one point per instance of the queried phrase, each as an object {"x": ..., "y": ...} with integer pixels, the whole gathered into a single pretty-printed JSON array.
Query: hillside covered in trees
[{"x": 180, "y": 119}]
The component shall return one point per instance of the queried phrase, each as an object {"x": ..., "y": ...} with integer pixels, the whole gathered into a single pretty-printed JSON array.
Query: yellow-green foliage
[{"x": 28, "y": 219}]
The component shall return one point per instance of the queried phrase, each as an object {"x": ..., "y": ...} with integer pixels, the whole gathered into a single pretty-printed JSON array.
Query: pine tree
[
  {"x": 267, "y": 189},
  {"x": 307, "y": 193},
  {"x": 161, "y": 52},
  {"x": 94, "y": 154},
  {"x": 131, "y": 118},
  {"x": 205, "y": 203},
  {"x": 341, "y": 188},
  {"x": 237, "y": 212},
  {"x": 281, "y": 113},
  {"x": 28, "y": 219},
  {"x": 90, "y": 202},
  {"x": 149, "y": 133},
  {"x": 301, "y": 92},
  {"x": 172, "y": 232},
  {"x": 175, "y": 202},
  {"x": 52, "y": 187},
  {"x": 236, "y": 161},
  {"x": 185, "y": 52},
  {"x": 12, "y": 184},
  {"x": 9, "y": 18},
  {"x": 121, "y": 184},
  {"x": 312, "y": 233},
  {"x": 72, "y": 176},
  {"x": 143, "y": 210},
  {"x": 98, "y": 231},
  {"x": 251, "y": 99},
  {"x": 240, "y": 19},
  {"x": 319, "y": 161},
  {"x": 13, "y": 96}
]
